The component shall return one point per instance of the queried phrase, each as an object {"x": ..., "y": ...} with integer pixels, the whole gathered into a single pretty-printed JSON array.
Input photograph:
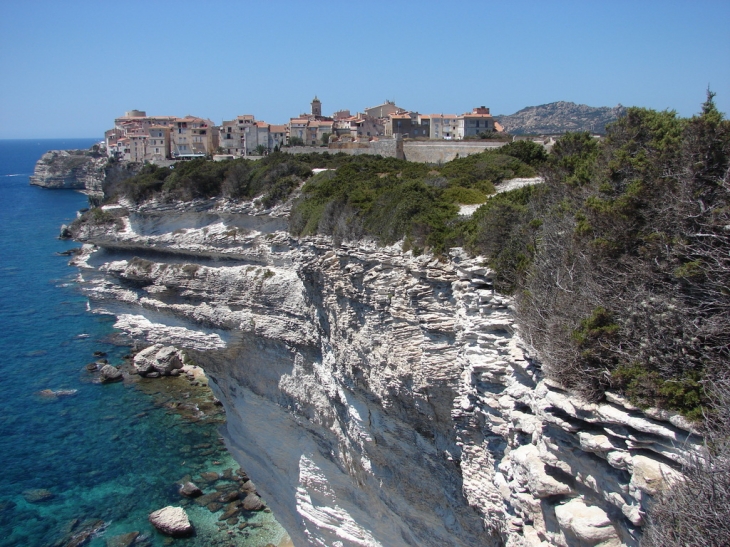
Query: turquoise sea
[{"x": 88, "y": 466}]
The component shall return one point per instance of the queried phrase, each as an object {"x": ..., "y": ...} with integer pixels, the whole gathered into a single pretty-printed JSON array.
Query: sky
[{"x": 67, "y": 69}]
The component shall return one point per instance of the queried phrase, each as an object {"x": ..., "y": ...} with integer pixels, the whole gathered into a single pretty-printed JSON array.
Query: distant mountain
[{"x": 560, "y": 117}]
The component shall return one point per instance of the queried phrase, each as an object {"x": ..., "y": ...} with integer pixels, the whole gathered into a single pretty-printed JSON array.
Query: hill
[{"x": 560, "y": 117}]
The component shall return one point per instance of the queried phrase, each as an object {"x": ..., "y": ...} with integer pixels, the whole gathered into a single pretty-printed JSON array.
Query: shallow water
[{"x": 109, "y": 452}]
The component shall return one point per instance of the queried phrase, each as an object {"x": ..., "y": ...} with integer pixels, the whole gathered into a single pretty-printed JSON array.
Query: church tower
[{"x": 316, "y": 107}]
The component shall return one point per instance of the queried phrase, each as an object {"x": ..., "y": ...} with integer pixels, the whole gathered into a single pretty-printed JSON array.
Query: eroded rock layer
[{"x": 376, "y": 397}]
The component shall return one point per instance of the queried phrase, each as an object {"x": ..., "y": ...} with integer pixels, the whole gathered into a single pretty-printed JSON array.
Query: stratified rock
[
  {"x": 68, "y": 169},
  {"x": 38, "y": 495},
  {"x": 190, "y": 490},
  {"x": 253, "y": 503},
  {"x": 418, "y": 414},
  {"x": 110, "y": 374},
  {"x": 172, "y": 521}
]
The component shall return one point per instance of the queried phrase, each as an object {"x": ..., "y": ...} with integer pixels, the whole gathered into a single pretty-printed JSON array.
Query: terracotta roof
[{"x": 277, "y": 128}]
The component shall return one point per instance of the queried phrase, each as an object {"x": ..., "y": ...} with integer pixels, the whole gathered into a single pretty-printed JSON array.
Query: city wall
[
  {"x": 418, "y": 151},
  {"x": 444, "y": 151}
]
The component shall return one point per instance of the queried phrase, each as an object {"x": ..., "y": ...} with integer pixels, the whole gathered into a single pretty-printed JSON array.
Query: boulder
[
  {"x": 172, "y": 521},
  {"x": 190, "y": 490},
  {"x": 158, "y": 358},
  {"x": 167, "y": 359},
  {"x": 588, "y": 523},
  {"x": 144, "y": 360},
  {"x": 248, "y": 487},
  {"x": 253, "y": 503},
  {"x": 110, "y": 374}
]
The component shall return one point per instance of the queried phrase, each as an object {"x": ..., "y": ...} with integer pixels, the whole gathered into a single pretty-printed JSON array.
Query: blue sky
[{"x": 69, "y": 68}]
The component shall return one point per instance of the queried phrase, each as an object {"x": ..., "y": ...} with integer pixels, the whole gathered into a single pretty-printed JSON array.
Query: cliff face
[
  {"x": 377, "y": 398},
  {"x": 75, "y": 169},
  {"x": 79, "y": 170}
]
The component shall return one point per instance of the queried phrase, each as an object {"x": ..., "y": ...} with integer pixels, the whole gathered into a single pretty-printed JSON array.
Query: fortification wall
[
  {"x": 443, "y": 151},
  {"x": 418, "y": 151}
]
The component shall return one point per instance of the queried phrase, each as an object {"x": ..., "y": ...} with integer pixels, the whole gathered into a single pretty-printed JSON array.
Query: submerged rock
[
  {"x": 38, "y": 495},
  {"x": 172, "y": 521},
  {"x": 56, "y": 393},
  {"x": 78, "y": 534},
  {"x": 123, "y": 540}
]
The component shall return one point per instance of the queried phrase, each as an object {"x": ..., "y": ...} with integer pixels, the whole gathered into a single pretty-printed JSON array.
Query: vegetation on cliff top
[
  {"x": 628, "y": 281},
  {"x": 383, "y": 198}
]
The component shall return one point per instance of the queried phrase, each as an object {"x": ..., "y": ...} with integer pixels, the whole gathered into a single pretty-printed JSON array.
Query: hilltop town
[{"x": 137, "y": 137}]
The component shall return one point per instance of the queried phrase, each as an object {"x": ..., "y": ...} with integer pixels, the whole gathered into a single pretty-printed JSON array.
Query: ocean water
[{"x": 104, "y": 456}]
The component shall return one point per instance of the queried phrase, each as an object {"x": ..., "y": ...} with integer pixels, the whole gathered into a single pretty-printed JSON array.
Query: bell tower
[{"x": 316, "y": 107}]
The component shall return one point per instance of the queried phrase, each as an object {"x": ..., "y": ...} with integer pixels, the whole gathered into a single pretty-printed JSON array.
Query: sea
[{"x": 84, "y": 463}]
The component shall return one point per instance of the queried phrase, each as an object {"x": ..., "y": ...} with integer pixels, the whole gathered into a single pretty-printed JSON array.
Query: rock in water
[
  {"x": 37, "y": 495},
  {"x": 110, "y": 374},
  {"x": 190, "y": 490},
  {"x": 158, "y": 358},
  {"x": 124, "y": 540},
  {"x": 172, "y": 521},
  {"x": 253, "y": 503}
]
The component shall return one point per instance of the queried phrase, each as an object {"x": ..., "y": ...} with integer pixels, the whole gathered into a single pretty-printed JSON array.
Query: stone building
[
  {"x": 472, "y": 124},
  {"x": 193, "y": 137},
  {"x": 316, "y": 107},
  {"x": 383, "y": 110}
]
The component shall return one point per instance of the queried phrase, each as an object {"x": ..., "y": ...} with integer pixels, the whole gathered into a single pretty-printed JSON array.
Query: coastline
[{"x": 217, "y": 515}]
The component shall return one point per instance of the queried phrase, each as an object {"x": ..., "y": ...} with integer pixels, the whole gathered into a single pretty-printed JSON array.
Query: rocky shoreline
[
  {"x": 218, "y": 503},
  {"x": 406, "y": 408}
]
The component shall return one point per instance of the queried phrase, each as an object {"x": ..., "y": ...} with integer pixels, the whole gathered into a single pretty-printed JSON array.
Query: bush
[{"x": 627, "y": 287}]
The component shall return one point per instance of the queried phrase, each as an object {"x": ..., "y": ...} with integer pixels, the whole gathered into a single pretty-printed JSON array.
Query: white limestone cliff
[{"x": 376, "y": 397}]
